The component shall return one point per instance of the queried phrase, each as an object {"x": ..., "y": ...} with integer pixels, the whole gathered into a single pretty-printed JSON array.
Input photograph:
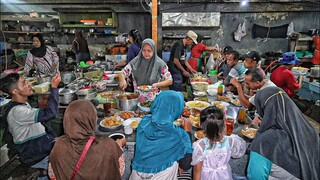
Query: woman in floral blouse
[{"x": 146, "y": 69}]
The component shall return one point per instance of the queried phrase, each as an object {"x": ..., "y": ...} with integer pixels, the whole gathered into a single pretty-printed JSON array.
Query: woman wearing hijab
[
  {"x": 161, "y": 146},
  {"x": 103, "y": 156},
  {"x": 80, "y": 47},
  {"x": 135, "y": 40},
  {"x": 146, "y": 69},
  {"x": 43, "y": 57},
  {"x": 286, "y": 145}
]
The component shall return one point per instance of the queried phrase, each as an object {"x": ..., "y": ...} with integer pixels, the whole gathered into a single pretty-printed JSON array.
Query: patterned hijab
[
  {"x": 42, "y": 50},
  {"x": 101, "y": 161},
  {"x": 159, "y": 143},
  {"x": 285, "y": 137},
  {"x": 147, "y": 71}
]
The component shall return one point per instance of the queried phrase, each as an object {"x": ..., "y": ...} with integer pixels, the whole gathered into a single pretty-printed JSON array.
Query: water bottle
[
  {"x": 213, "y": 76},
  {"x": 220, "y": 90}
]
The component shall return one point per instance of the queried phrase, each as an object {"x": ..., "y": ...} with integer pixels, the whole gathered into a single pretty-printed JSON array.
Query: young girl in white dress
[{"x": 212, "y": 153}]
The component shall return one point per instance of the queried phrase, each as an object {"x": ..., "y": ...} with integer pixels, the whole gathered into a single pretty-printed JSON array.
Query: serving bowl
[
  {"x": 200, "y": 86},
  {"x": 200, "y": 105}
]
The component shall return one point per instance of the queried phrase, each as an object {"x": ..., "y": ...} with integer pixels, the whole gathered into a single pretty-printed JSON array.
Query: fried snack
[
  {"x": 134, "y": 124},
  {"x": 143, "y": 87},
  {"x": 224, "y": 98},
  {"x": 249, "y": 132},
  {"x": 200, "y": 134},
  {"x": 186, "y": 112},
  {"x": 236, "y": 102},
  {"x": 218, "y": 105},
  {"x": 111, "y": 121},
  {"x": 126, "y": 115}
]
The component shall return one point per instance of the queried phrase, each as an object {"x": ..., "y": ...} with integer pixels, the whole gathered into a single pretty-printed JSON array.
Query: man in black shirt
[{"x": 177, "y": 54}]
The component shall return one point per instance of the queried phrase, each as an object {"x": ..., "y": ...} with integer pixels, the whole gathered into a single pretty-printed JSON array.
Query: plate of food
[
  {"x": 145, "y": 106},
  {"x": 145, "y": 88},
  {"x": 249, "y": 133},
  {"x": 205, "y": 99},
  {"x": 199, "y": 134},
  {"x": 200, "y": 105},
  {"x": 199, "y": 93},
  {"x": 220, "y": 104},
  {"x": 224, "y": 98},
  {"x": 133, "y": 122},
  {"x": 111, "y": 122},
  {"x": 236, "y": 102},
  {"x": 126, "y": 114}
]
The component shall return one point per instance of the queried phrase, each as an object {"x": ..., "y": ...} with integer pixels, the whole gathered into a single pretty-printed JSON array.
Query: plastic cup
[
  {"x": 128, "y": 130},
  {"x": 107, "y": 107},
  {"x": 242, "y": 115},
  {"x": 229, "y": 125}
]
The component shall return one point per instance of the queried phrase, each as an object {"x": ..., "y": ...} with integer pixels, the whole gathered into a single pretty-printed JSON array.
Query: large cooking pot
[
  {"x": 67, "y": 77},
  {"x": 127, "y": 101},
  {"x": 87, "y": 94},
  {"x": 67, "y": 95},
  {"x": 315, "y": 72}
]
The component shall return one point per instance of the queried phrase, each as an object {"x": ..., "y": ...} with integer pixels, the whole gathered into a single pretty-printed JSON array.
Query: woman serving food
[{"x": 146, "y": 69}]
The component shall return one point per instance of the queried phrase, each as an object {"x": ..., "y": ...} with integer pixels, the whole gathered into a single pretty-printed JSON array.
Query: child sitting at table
[{"x": 212, "y": 153}]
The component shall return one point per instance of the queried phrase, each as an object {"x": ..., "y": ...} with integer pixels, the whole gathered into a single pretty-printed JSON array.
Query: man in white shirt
[{"x": 255, "y": 80}]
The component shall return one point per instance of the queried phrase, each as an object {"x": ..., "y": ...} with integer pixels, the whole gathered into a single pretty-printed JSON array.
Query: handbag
[{"x": 83, "y": 155}]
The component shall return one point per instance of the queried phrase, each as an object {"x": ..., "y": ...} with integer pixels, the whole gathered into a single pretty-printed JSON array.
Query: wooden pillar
[{"x": 154, "y": 18}]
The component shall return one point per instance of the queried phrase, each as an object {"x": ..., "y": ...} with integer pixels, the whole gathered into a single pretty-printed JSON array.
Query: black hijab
[
  {"x": 41, "y": 51},
  {"x": 285, "y": 137}
]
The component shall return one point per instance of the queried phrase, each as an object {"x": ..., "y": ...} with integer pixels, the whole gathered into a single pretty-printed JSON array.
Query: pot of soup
[{"x": 127, "y": 101}]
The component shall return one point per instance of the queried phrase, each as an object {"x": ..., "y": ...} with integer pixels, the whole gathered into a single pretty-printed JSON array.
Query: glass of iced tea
[{"x": 229, "y": 125}]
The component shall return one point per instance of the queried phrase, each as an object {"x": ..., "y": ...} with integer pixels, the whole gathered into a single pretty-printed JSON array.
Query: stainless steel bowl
[{"x": 87, "y": 94}]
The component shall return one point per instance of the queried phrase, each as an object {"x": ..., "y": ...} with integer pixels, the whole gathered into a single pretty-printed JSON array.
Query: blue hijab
[{"x": 159, "y": 143}]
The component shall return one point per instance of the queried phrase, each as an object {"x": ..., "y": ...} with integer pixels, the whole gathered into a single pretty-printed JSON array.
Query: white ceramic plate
[
  {"x": 111, "y": 127},
  {"x": 200, "y": 105},
  {"x": 199, "y": 93},
  {"x": 119, "y": 113},
  {"x": 250, "y": 136},
  {"x": 130, "y": 121},
  {"x": 222, "y": 103},
  {"x": 145, "y": 88},
  {"x": 142, "y": 108}
]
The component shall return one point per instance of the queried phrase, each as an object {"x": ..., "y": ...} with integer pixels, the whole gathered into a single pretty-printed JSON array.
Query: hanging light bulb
[{"x": 244, "y": 2}]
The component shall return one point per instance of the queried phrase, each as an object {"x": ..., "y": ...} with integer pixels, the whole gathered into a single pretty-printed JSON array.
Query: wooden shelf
[
  {"x": 27, "y": 32},
  {"x": 85, "y": 26},
  {"x": 25, "y": 19}
]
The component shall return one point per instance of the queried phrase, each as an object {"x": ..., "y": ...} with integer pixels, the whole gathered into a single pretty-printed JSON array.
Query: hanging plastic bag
[
  {"x": 240, "y": 32},
  {"x": 211, "y": 63}
]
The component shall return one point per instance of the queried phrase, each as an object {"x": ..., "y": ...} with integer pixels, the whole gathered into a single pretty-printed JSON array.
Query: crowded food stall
[{"x": 194, "y": 93}]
